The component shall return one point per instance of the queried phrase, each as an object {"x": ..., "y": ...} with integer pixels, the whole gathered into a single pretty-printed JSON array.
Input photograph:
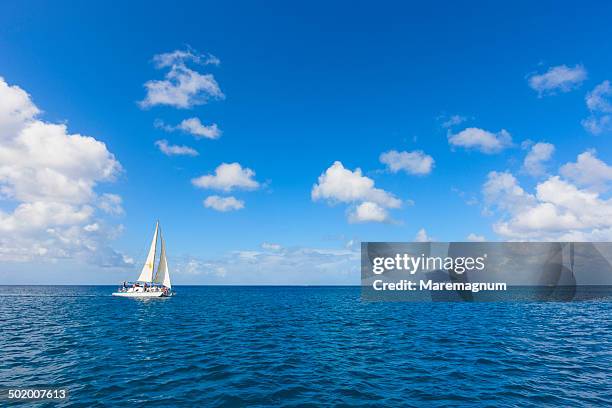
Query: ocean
[{"x": 300, "y": 346}]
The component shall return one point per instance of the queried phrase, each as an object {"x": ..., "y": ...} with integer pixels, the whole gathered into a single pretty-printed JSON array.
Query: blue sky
[{"x": 304, "y": 86}]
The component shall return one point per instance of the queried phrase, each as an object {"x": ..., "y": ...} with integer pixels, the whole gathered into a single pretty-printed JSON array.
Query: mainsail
[
  {"x": 146, "y": 275},
  {"x": 163, "y": 275}
]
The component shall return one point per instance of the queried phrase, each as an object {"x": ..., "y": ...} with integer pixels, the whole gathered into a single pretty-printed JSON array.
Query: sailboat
[{"x": 150, "y": 285}]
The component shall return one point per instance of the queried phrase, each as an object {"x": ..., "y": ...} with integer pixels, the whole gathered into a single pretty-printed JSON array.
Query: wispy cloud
[
  {"x": 557, "y": 79},
  {"x": 110, "y": 204},
  {"x": 180, "y": 57},
  {"x": 599, "y": 102},
  {"x": 182, "y": 87},
  {"x": 450, "y": 121},
  {"x": 175, "y": 150},
  {"x": 273, "y": 264},
  {"x": 192, "y": 126}
]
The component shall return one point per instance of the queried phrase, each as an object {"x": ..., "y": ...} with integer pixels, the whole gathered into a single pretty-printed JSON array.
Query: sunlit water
[{"x": 293, "y": 346}]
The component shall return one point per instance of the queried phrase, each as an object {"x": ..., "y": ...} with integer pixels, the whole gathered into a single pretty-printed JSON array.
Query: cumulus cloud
[
  {"x": 175, "y": 150},
  {"x": 368, "y": 212},
  {"x": 475, "y": 237},
  {"x": 50, "y": 176},
  {"x": 227, "y": 177},
  {"x": 481, "y": 140},
  {"x": 192, "y": 126},
  {"x": 588, "y": 171},
  {"x": 340, "y": 185},
  {"x": 558, "y": 79},
  {"x": 599, "y": 102},
  {"x": 422, "y": 236},
  {"x": 539, "y": 153},
  {"x": 417, "y": 162},
  {"x": 182, "y": 87},
  {"x": 223, "y": 204},
  {"x": 557, "y": 210}
]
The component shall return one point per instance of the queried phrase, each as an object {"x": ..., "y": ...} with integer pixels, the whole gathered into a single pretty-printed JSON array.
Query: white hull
[{"x": 140, "y": 294}]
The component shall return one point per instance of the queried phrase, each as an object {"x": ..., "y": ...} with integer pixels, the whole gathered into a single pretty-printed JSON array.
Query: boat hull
[{"x": 140, "y": 294}]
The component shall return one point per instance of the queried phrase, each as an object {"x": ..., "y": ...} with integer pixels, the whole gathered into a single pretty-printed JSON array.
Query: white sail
[
  {"x": 163, "y": 274},
  {"x": 146, "y": 275}
]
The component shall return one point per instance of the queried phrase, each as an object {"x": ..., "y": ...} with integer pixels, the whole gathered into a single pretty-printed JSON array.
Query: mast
[{"x": 163, "y": 274}]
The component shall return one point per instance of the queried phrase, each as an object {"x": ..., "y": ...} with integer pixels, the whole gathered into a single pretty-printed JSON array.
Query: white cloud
[
  {"x": 227, "y": 177},
  {"x": 558, "y": 210},
  {"x": 182, "y": 86},
  {"x": 271, "y": 247},
  {"x": 175, "y": 150},
  {"x": 92, "y": 227},
  {"x": 481, "y": 140},
  {"x": 273, "y": 266},
  {"x": 599, "y": 102},
  {"x": 558, "y": 79},
  {"x": 368, "y": 212},
  {"x": 416, "y": 162},
  {"x": 599, "y": 98},
  {"x": 49, "y": 176},
  {"x": 597, "y": 124},
  {"x": 338, "y": 184},
  {"x": 588, "y": 171},
  {"x": 16, "y": 110},
  {"x": 110, "y": 204},
  {"x": 475, "y": 237},
  {"x": 223, "y": 204},
  {"x": 422, "y": 236},
  {"x": 195, "y": 127},
  {"x": 537, "y": 155},
  {"x": 448, "y": 122},
  {"x": 502, "y": 190},
  {"x": 192, "y": 126},
  {"x": 40, "y": 214},
  {"x": 177, "y": 57}
]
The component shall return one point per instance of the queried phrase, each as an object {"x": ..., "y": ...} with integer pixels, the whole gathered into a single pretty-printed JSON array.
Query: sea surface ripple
[{"x": 301, "y": 346}]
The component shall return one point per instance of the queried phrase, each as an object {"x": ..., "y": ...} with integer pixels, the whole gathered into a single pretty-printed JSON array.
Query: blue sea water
[{"x": 301, "y": 346}]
